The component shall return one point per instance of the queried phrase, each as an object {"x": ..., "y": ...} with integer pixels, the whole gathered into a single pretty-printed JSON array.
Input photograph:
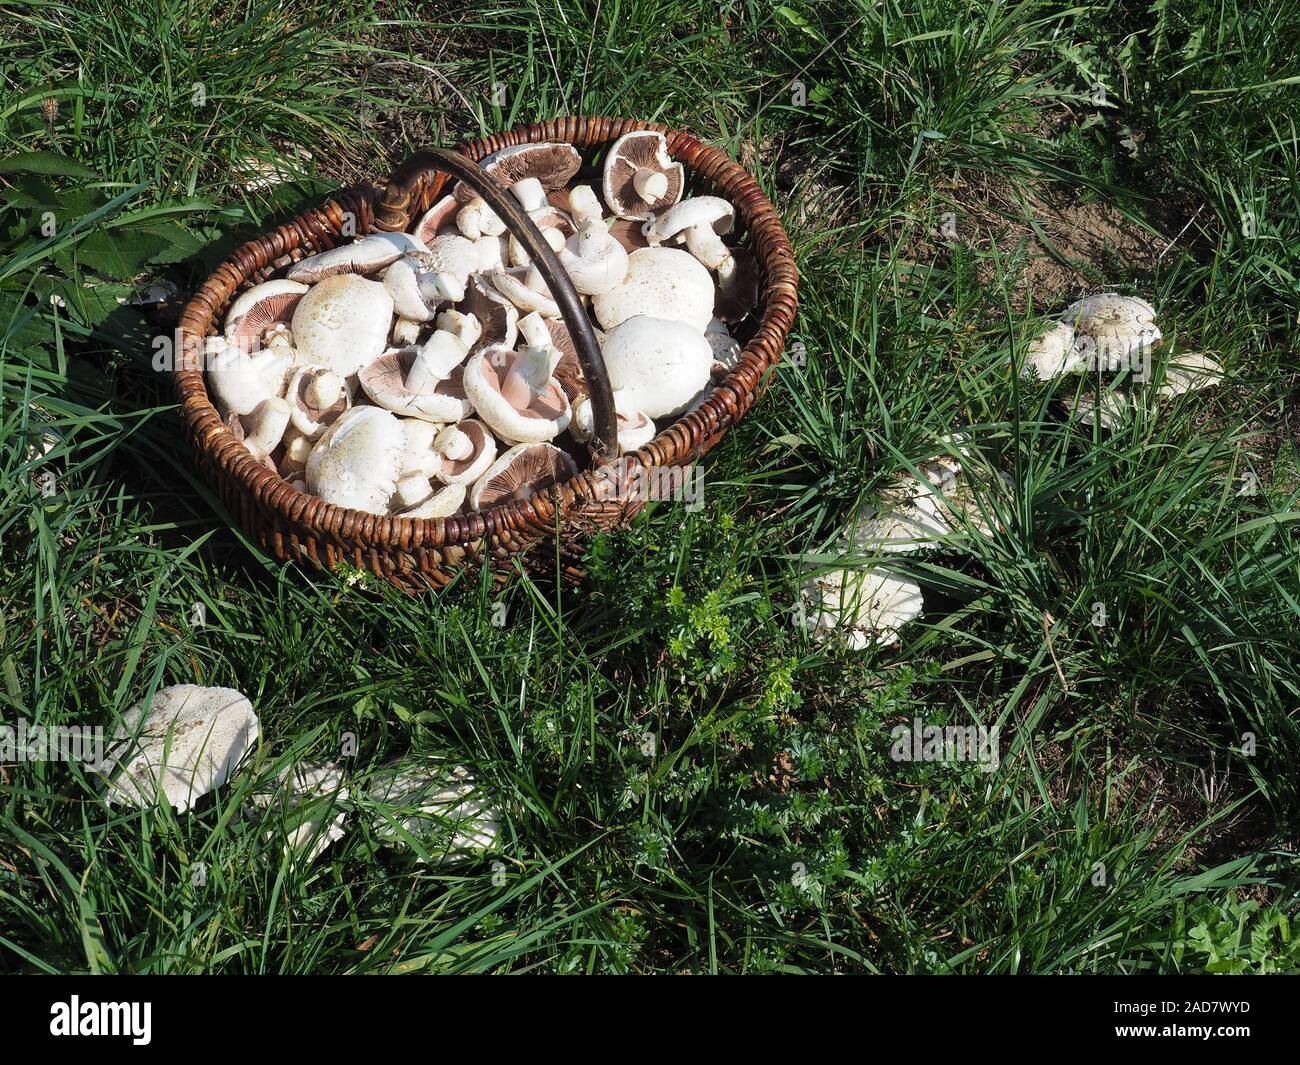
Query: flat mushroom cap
[
  {"x": 358, "y": 461},
  {"x": 343, "y": 323},
  {"x": 384, "y": 381},
  {"x": 544, "y": 418},
  {"x": 859, "y": 607},
  {"x": 184, "y": 742},
  {"x": 661, "y": 283},
  {"x": 633, "y": 152},
  {"x": 368, "y": 255},
  {"x": 520, "y": 472},
  {"x": 255, "y": 310},
  {"x": 551, "y": 163},
  {"x": 663, "y": 366}
]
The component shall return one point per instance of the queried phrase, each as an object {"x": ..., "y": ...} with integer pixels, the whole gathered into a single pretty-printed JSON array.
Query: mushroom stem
[
  {"x": 650, "y": 184},
  {"x": 526, "y": 379},
  {"x": 296, "y": 452},
  {"x": 435, "y": 360},
  {"x": 324, "y": 389},
  {"x": 242, "y": 381},
  {"x": 584, "y": 206},
  {"x": 412, "y": 491},
  {"x": 530, "y": 193},
  {"x": 266, "y": 426},
  {"x": 454, "y": 443},
  {"x": 703, "y": 242}
]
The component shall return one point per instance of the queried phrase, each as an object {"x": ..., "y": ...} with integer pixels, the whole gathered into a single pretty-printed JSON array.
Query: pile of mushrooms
[{"x": 430, "y": 373}]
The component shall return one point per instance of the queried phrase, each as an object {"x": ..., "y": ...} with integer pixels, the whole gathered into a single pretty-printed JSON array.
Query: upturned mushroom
[
  {"x": 357, "y": 462},
  {"x": 259, "y": 309},
  {"x": 178, "y": 746},
  {"x": 549, "y": 165},
  {"x": 662, "y": 366},
  {"x": 368, "y": 255},
  {"x": 523, "y": 403},
  {"x": 520, "y": 472},
  {"x": 317, "y": 398},
  {"x": 437, "y": 218},
  {"x": 640, "y": 176},
  {"x": 424, "y": 382},
  {"x": 660, "y": 283},
  {"x": 497, "y": 316},
  {"x": 594, "y": 261},
  {"x": 467, "y": 449},
  {"x": 447, "y": 814},
  {"x": 440, "y": 501},
  {"x": 342, "y": 323}
]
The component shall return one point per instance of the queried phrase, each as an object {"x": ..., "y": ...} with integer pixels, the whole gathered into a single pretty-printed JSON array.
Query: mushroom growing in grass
[
  {"x": 640, "y": 175},
  {"x": 358, "y": 461},
  {"x": 308, "y": 801},
  {"x": 368, "y": 255},
  {"x": 439, "y": 807},
  {"x": 185, "y": 741},
  {"x": 241, "y": 379},
  {"x": 342, "y": 323},
  {"x": 523, "y": 403},
  {"x": 259, "y": 309},
  {"x": 520, "y": 472},
  {"x": 634, "y": 428},
  {"x": 424, "y": 382},
  {"x": 859, "y": 607},
  {"x": 316, "y": 397},
  {"x": 661, "y": 366},
  {"x": 661, "y": 283},
  {"x": 1189, "y": 371},
  {"x": 1118, "y": 327}
]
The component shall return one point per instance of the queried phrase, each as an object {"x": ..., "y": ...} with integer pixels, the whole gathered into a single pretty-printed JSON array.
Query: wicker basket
[{"x": 418, "y": 554}]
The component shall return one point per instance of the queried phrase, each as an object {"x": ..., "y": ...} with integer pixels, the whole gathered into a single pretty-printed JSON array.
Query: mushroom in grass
[
  {"x": 858, "y": 607},
  {"x": 258, "y": 310},
  {"x": 520, "y": 472},
  {"x": 307, "y": 802},
  {"x": 661, "y": 283},
  {"x": 1189, "y": 371},
  {"x": 180, "y": 745},
  {"x": 517, "y": 394},
  {"x": 368, "y": 255},
  {"x": 342, "y": 323},
  {"x": 358, "y": 461},
  {"x": 240, "y": 379},
  {"x": 437, "y": 808},
  {"x": 1052, "y": 353},
  {"x": 1118, "y": 328},
  {"x": 662, "y": 366},
  {"x": 634, "y": 428},
  {"x": 425, "y": 382},
  {"x": 640, "y": 176},
  {"x": 317, "y": 397}
]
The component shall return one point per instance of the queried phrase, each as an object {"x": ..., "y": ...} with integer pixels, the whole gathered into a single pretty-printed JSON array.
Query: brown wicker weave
[{"x": 417, "y": 554}]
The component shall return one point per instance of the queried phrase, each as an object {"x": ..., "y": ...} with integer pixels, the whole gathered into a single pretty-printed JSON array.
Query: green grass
[{"x": 766, "y": 829}]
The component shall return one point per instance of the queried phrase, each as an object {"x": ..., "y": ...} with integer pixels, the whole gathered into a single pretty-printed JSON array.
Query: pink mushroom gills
[
  {"x": 425, "y": 382},
  {"x": 524, "y": 403},
  {"x": 316, "y": 397},
  {"x": 259, "y": 309},
  {"x": 634, "y": 428},
  {"x": 467, "y": 448}
]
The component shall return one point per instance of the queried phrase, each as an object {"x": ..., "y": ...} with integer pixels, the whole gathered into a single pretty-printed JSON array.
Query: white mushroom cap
[
  {"x": 726, "y": 349},
  {"x": 309, "y": 800},
  {"x": 368, "y": 255},
  {"x": 661, "y": 283},
  {"x": 411, "y": 299},
  {"x": 343, "y": 323},
  {"x": 523, "y": 404},
  {"x": 634, "y": 428},
  {"x": 859, "y": 607},
  {"x": 388, "y": 381},
  {"x": 1052, "y": 353},
  {"x": 519, "y": 472},
  {"x": 317, "y": 397},
  {"x": 662, "y": 366},
  {"x": 358, "y": 461},
  {"x": 585, "y": 206},
  {"x": 259, "y": 308},
  {"x": 476, "y": 219},
  {"x": 441, "y": 806},
  {"x": 1189, "y": 371},
  {"x": 446, "y": 266},
  {"x": 419, "y": 456},
  {"x": 1110, "y": 328},
  {"x": 241, "y": 381},
  {"x": 184, "y": 742},
  {"x": 640, "y": 176},
  {"x": 711, "y": 216},
  {"x": 468, "y": 449},
  {"x": 908, "y": 517},
  {"x": 440, "y": 503},
  {"x": 594, "y": 261}
]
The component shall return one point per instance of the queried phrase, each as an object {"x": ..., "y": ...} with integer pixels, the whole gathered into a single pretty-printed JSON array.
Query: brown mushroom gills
[
  {"x": 533, "y": 470},
  {"x": 548, "y": 406}
]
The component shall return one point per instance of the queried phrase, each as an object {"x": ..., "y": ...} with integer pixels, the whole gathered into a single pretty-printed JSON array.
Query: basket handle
[{"x": 392, "y": 213}]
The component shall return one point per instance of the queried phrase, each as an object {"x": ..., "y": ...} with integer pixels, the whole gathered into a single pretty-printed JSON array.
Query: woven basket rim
[{"x": 200, "y": 318}]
